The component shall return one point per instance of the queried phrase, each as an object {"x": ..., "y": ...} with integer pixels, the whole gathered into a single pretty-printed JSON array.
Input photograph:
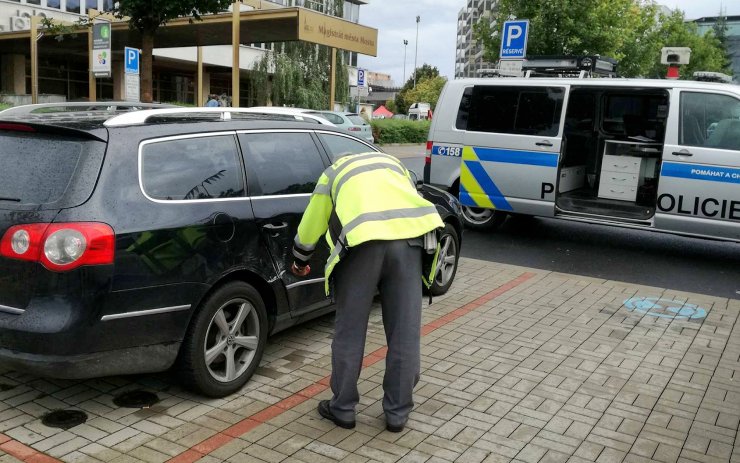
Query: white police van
[{"x": 660, "y": 155}]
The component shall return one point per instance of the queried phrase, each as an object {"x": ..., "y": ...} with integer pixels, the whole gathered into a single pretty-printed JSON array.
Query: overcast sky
[{"x": 396, "y": 21}]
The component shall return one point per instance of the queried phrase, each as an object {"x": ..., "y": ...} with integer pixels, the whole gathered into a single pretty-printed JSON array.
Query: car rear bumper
[{"x": 133, "y": 360}]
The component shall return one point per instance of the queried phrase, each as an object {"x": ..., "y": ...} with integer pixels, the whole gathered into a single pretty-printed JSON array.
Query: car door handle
[
  {"x": 275, "y": 226},
  {"x": 543, "y": 143},
  {"x": 683, "y": 153}
]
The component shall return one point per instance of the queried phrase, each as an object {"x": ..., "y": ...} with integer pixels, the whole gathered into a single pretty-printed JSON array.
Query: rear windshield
[
  {"x": 357, "y": 120},
  {"x": 47, "y": 170}
]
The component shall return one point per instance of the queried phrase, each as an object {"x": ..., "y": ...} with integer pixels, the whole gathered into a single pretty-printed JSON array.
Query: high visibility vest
[{"x": 360, "y": 198}]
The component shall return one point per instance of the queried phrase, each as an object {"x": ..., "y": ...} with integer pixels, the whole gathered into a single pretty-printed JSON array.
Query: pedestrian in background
[
  {"x": 374, "y": 220},
  {"x": 212, "y": 101}
]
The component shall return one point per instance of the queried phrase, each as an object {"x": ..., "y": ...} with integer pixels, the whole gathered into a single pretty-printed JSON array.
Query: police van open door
[
  {"x": 525, "y": 122},
  {"x": 699, "y": 189}
]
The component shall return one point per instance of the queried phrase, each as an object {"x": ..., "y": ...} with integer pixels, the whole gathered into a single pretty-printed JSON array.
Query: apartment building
[{"x": 469, "y": 53}]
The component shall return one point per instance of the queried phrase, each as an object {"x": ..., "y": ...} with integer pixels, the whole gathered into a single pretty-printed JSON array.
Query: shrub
[{"x": 399, "y": 131}]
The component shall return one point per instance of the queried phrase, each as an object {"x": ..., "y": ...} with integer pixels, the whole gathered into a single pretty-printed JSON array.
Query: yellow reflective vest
[{"x": 360, "y": 198}]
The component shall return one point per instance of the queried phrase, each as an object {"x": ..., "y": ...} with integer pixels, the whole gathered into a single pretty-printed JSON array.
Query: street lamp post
[
  {"x": 405, "y": 43},
  {"x": 416, "y": 53}
]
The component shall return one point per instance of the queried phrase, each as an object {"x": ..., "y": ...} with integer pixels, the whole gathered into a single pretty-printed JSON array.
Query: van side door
[
  {"x": 699, "y": 187},
  {"x": 512, "y": 147}
]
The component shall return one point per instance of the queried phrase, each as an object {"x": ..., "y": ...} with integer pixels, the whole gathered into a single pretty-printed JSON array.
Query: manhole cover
[
  {"x": 64, "y": 419},
  {"x": 136, "y": 399}
]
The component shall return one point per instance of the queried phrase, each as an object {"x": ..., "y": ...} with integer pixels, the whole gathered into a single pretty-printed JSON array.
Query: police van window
[
  {"x": 639, "y": 116},
  {"x": 515, "y": 110},
  {"x": 281, "y": 163},
  {"x": 192, "y": 169},
  {"x": 463, "y": 112},
  {"x": 710, "y": 120}
]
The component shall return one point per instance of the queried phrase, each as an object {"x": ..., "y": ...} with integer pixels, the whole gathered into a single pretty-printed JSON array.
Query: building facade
[
  {"x": 469, "y": 53},
  {"x": 65, "y": 78},
  {"x": 732, "y": 35}
]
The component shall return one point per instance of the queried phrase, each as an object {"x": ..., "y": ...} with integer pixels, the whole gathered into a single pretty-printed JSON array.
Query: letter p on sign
[
  {"x": 132, "y": 60},
  {"x": 514, "y": 39}
]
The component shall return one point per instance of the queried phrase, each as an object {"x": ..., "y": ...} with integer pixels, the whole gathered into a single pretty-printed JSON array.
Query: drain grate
[
  {"x": 136, "y": 399},
  {"x": 64, "y": 419}
]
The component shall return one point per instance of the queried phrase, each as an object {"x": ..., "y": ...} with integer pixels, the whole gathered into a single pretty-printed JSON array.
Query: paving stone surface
[{"x": 518, "y": 365}]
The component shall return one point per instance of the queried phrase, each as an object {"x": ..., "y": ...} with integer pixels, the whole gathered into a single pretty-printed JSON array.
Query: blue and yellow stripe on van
[{"x": 477, "y": 188}]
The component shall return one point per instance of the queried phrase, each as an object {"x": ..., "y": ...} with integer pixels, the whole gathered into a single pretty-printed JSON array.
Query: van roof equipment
[
  {"x": 570, "y": 66},
  {"x": 706, "y": 76}
]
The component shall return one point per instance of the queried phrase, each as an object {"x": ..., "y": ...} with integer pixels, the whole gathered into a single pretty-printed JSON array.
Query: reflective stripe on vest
[
  {"x": 408, "y": 213},
  {"x": 332, "y": 174},
  {"x": 366, "y": 168}
]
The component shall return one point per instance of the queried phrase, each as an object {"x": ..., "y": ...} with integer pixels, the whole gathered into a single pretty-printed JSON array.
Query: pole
[
  {"x": 34, "y": 59},
  {"x": 405, "y": 44},
  {"x": 332, "y": 78},
  {"x": 416, "y": 53},
  {"x": 199, "y": 93},
  {"x": 235, "y": 42}
]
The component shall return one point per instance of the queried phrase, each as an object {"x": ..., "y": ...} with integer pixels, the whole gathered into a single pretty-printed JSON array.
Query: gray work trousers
[{"x": 393, "y": 268}]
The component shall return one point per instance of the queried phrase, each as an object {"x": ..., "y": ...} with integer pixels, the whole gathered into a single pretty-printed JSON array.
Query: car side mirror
[{"x": 418, "y": 182}]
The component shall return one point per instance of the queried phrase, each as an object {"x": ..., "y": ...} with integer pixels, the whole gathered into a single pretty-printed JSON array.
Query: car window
[
  {"x": 356, "y": 119},
  {"x": 339, "y": 146},
  {"x": 192, "y": 169},
  {"x": 333, "y": 118},
  {"x": 512, "y": 110},
  {"x": 40, "y": 169},
  {"x": 710, "y": 120},
  {"x": 281, "y": 163}
]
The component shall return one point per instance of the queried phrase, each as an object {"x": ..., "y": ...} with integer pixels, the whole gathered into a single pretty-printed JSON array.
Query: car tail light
[
  {"x": 354, "y": 129},
  {"x": 60, "y": 246},
  {"x": 16, "y": 127},
  {"x": 428, "y": 158}
]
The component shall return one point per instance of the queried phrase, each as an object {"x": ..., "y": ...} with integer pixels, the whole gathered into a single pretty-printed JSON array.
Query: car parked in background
[
  {"x": 352, "y": 122},
  {"x": 135, "y": 242}
]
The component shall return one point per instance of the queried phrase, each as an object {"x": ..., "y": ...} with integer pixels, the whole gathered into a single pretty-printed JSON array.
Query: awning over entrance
[
  {"x": 255, "y": 26},
  {"x": 278, "y": 25}
]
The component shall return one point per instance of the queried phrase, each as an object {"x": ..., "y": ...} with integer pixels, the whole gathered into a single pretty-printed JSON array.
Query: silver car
[{"x": 352, "y": 122}]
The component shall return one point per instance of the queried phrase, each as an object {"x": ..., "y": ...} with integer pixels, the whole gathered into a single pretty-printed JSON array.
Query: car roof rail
[{"x": 141, "y": 117}]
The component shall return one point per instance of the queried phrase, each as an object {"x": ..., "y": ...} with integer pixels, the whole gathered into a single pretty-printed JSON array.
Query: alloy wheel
[{"x": 232, "y": 339}]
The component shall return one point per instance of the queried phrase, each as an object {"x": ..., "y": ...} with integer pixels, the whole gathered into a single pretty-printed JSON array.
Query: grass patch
[{"x": 399, "y": 131}]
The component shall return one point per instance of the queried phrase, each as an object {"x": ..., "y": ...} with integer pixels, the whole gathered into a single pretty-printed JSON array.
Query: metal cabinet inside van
[{"x": 661, "y": 155}]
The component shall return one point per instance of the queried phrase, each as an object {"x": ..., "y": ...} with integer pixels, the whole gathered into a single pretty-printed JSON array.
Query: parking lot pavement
[{"x": 518, "y": 365}]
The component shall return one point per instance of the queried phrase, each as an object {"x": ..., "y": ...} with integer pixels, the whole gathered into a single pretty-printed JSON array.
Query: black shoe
[
  {"x": 325, "y": 411},
  {"x": 394, "y": 427}
]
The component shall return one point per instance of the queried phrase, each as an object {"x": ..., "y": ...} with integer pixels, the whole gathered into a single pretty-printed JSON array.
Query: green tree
[
  {"x": 424, "y": 72},
  {"x": 427, "y": 90},
  {"x": 707, "y": 53},
  {"x": 146, "y": 16},
  {"x": 297, "y": 73}
]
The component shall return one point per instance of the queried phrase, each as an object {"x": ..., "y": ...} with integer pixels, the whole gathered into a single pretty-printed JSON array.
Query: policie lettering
[
  {"x": 708, "y": 207},
  {"x": 547, "y": 188}
]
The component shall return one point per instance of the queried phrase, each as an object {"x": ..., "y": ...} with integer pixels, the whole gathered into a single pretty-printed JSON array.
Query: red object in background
[
  {"x": 672, "y": 72},
  {"x": 429, "y": 115}
]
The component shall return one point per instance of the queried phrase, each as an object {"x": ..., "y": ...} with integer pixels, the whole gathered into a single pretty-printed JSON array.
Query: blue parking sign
[
  {"x": 360, "y": 77},
  {"x": 514, "y": 39},
  {"x": 131, "y": 60}
]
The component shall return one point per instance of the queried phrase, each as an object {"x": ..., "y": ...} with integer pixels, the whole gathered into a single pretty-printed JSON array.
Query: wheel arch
[{"x": 266, "y": 292}]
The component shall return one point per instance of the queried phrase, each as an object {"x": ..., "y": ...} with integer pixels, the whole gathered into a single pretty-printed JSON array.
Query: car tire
[
  {"x": 449, "y": 254},
  {"x": 477, "y": 218},
  {"x": 225, "y": 341}
]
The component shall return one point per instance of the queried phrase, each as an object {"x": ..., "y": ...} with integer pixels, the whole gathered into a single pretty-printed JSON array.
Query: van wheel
[
  {"x": 224, "y": 343},
  {"x": 449, "y": 253},
  {"x": 477, "y": 218}
]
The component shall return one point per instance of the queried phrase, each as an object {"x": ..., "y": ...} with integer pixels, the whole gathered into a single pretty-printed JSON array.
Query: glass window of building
[
  {"x": 53, "y": 4},
  {"x": 73, "y": 6}
]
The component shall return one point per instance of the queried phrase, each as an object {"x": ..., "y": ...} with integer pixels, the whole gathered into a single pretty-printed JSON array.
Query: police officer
[{"x": 373, "y": 220}]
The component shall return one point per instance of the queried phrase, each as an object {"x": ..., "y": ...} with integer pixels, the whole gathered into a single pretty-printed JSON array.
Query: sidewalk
[
  {"x": 518, "y": 365},
  {"x": 405, "y": 150}
]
